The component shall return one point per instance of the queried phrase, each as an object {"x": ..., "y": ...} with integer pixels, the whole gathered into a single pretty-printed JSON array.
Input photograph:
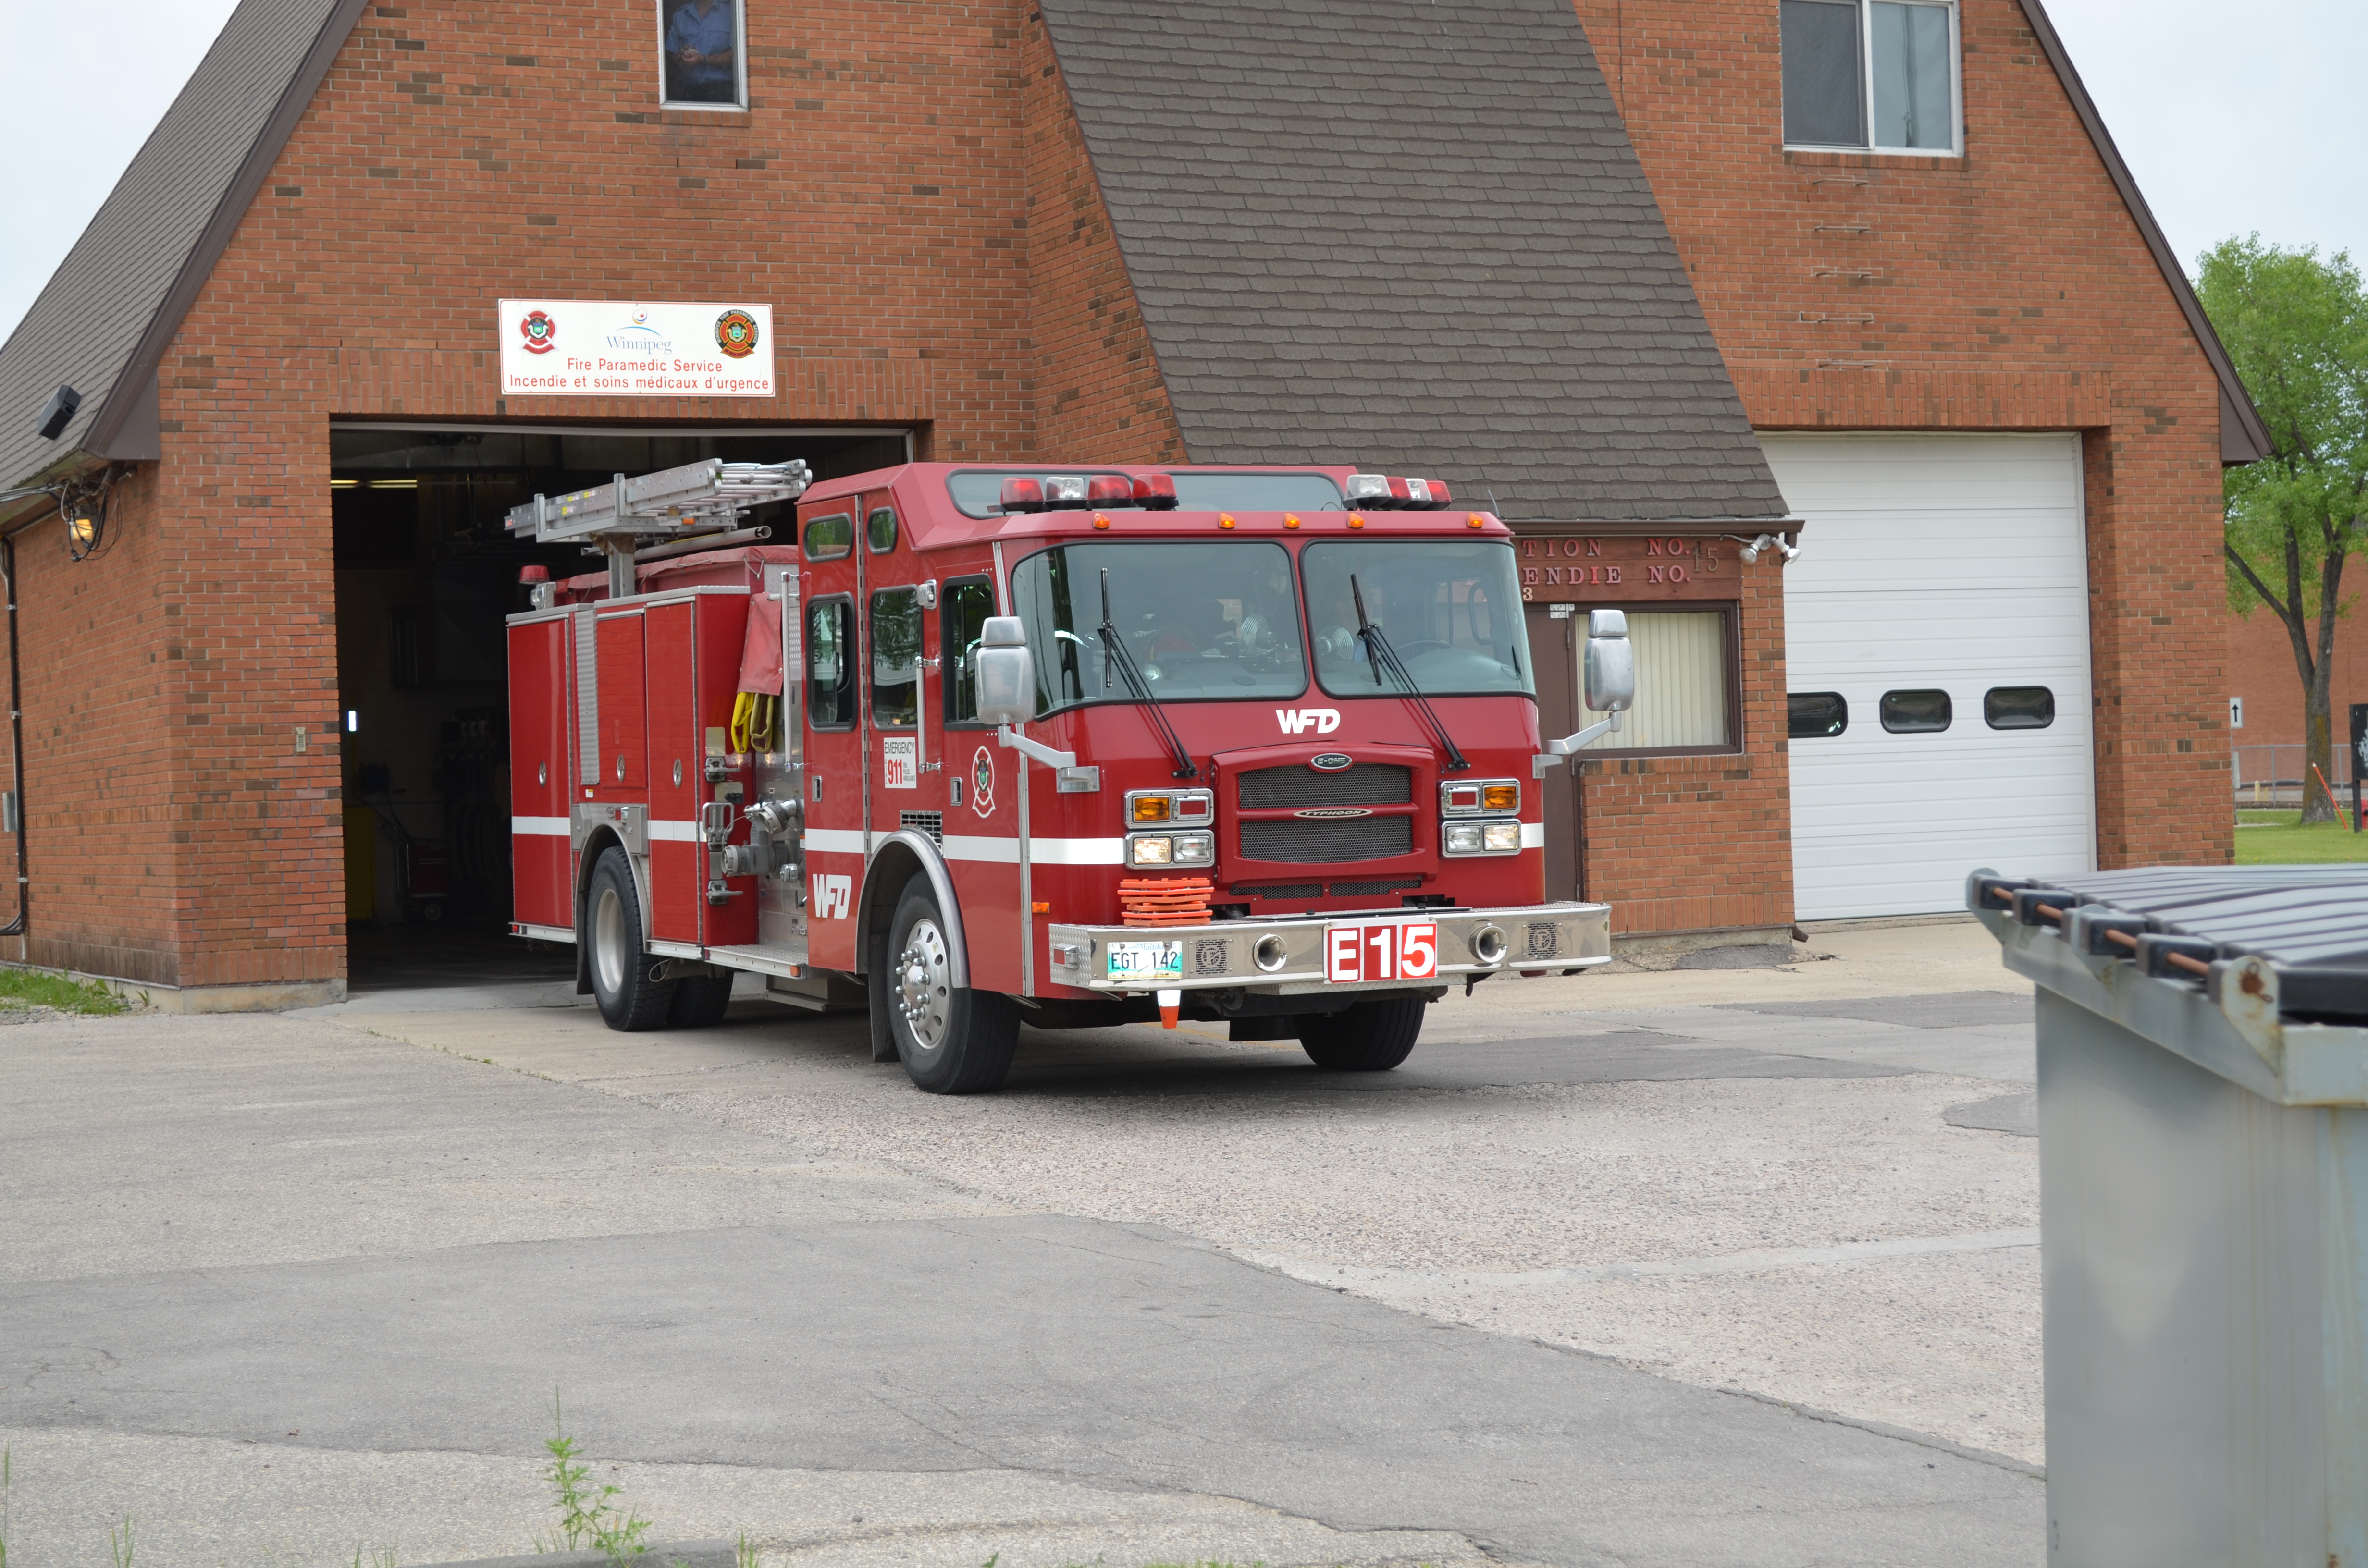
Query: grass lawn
[{"x": 2276, "y": 838}]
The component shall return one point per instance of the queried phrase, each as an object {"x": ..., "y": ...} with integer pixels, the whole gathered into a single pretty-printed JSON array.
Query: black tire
[
  {"x": 700, "y": 1001},
  {"x": 952, "y": 1039},
  {"x": 628, "y": 999},
  {"x": 1371, "y": 1036}
]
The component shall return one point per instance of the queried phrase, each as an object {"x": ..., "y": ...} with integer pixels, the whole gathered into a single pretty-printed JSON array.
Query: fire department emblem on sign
[
  {"x": 982, "y": 783},
  {"x": 539, "y": 330},
  {"x": 736, "y": 333}
]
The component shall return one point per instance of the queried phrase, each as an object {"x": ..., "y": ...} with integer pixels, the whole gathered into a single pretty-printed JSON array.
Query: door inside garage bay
[
  {"x": 425, "y": 576},
  {"x": 1936, "y": 650}
]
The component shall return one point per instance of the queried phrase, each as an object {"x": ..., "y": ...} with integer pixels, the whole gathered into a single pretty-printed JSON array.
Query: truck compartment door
[{"x": 540, "y": 894}]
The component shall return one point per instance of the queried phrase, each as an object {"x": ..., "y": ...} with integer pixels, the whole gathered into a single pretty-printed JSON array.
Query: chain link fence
[{"x": 2275, "y": 775}]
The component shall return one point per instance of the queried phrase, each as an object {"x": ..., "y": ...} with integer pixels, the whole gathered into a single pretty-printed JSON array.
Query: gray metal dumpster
[{"x": 2203, "y": 1209}]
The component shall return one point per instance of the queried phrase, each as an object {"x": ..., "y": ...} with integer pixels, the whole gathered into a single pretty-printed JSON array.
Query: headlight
[
  {"x": 1480, "y": 837},
  {"x": 1172, "y": 850}
]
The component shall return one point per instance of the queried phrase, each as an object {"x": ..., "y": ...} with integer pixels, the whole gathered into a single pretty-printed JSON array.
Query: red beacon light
[
  {"x": 1023, "y": 495},
  {"x": 1155, "y": 492},
  {"x": 532, "y": 575},
  {"x": 1064, "y": 490},
  {"x": 1110, "y": 490},
  {"x": 1441, "y": 499}
]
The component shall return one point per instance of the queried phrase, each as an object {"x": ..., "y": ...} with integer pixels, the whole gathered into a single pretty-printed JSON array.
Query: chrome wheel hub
[
  {"x": 608, "y": 957},
  {"x": 924, "y": 985}
]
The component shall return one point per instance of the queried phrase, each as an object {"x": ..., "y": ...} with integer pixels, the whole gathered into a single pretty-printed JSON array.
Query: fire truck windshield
[
  {"x": 1452, "y": 608},
  {"x": 1202, "y": 621}
]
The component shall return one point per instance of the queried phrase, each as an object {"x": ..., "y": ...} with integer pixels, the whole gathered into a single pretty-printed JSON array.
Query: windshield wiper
[
  {"x": 1114, "y": 652},
  {"x": 1379, "y": 653}
]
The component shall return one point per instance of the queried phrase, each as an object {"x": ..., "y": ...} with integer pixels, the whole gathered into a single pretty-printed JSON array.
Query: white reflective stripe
[
  {"x": 1533, "y": 836},
  {"x": 538, "y": 827},
  {"x": 1077, "y": 851},
  {"x": 674, "y": 832},
  {"x": 1003, "y": 851},
  {"x": 834, "y": 840}
]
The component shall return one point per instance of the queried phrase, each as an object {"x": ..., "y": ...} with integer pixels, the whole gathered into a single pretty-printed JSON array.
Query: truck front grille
[
  {"x": 1320, "y": 842},
  {"x": 1366, "y": 784}
]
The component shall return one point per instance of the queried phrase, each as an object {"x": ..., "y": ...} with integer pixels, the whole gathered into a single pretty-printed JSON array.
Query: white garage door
[{"x": 1933, "y": 564}]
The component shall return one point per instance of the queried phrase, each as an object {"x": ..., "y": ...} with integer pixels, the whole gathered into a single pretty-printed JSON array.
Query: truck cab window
[
  {"x": 1202, "y": 621},
  {"x": 830, "y": 654},
  {"x": 895, "y": 658},
  {"x": 1451, "y": 611},
  {"x": 968, "y": 603}
]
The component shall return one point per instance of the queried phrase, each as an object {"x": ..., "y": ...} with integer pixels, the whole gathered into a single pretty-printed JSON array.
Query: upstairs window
[
  {"x": 703, "y": 47},
  {"x": 1879, "y": 74}
]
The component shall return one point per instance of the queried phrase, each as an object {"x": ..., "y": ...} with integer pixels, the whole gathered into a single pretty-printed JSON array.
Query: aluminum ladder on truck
[{"x": 696, "y": 507}]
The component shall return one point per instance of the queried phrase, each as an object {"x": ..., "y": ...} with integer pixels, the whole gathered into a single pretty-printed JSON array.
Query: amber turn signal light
[{"x": 1501, "y": 797}]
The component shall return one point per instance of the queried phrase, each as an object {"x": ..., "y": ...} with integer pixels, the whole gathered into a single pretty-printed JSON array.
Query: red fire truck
[{"x": 986, "y": 745}]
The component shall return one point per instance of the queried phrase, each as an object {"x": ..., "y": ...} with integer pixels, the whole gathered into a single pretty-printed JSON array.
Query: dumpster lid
[{"x": 2310, "y": 922}]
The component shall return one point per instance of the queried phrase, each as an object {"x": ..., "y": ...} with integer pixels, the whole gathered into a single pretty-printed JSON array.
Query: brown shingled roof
[
  {"x": 1409, "y": 233},
  {"x": 102, "y": 321}
]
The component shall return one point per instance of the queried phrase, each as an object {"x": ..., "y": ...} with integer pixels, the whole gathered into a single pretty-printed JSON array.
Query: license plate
[
  {"x": 1354, "y": 954},
  {"x": 1146, "y": 960}
]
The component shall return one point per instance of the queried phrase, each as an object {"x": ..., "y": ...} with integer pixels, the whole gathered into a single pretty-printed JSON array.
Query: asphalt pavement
[{"x": 1629, "y": 1271}]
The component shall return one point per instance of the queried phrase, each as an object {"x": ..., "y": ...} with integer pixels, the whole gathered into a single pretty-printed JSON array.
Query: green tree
[{"x": 2297, "y": 328}]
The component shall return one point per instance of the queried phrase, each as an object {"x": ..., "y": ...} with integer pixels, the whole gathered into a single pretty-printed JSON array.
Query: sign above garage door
[
  {"x": 613, "y": 348},
  {"x": 1936, "y": 650}
]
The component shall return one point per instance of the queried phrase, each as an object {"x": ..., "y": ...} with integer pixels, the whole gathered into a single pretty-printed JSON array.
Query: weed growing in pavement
[
  {"x": 587, "y": 1517},
  {"x": 7, "y": 1481},
  {"x": 119, "y": 1546},
  {"x": 46, "y": 988},
  {"x": 745, "y": 1556},
  {"x": 384, "y": 1558}
]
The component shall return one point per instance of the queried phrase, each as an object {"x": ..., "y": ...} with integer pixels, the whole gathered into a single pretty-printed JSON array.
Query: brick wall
[
  {"x": 876, "y": 192},
  {"x": 2007, "y": 289}
]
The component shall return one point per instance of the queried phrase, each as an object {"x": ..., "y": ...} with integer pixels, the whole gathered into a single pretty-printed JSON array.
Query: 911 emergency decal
[
  {"x": 982, "y": 783},
  {"x": 900, "y": 762}
]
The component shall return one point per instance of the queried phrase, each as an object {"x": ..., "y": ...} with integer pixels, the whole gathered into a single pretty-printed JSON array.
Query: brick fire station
[{"x": 1829, "y": 338}]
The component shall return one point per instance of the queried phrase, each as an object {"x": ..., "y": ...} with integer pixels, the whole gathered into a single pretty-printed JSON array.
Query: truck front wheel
[
  {"x": 628, "y": 999},
  {"x": 953, "y": 1040},
  {"x": 1371, "y": 1036}
]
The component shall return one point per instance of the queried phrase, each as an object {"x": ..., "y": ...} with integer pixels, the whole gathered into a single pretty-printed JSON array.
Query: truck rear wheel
[
  {"x": 628, "y": 999},
  {"x": 700, "y": 1001},
  {"x": 1371, "y": 1036},
  {"x": 952, "y": 1039}
]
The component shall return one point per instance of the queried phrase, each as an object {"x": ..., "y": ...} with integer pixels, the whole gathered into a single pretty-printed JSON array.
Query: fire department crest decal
[
  {"x": 982, "y": 783},
  {"x": 736, "y": 333},
  {"x": 540, "y": 331}
]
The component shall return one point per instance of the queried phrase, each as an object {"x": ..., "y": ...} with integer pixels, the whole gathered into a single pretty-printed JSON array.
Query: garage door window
[
  {"x": 2018, "y": 707},
  {"x": 1682, "y": 684},
  {"x": 1916, "y": 712},
  {"x": 1817, "y": 715}
]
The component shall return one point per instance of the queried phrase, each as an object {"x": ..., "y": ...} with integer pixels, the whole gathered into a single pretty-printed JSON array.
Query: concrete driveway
[{"x": 1701, "y": 1267}]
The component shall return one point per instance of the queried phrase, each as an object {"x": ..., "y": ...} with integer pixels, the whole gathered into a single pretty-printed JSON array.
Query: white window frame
[
  {"x": 1956, "y": 148},
  {"x": 739, "y": 104}
]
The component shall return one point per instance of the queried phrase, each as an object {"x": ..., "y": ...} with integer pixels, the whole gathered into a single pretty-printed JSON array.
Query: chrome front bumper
[{"x": 1286, "y": 957}]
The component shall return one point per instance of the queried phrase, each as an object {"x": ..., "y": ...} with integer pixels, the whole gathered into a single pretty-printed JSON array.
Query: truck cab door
[{"x": 830, "y": 662}]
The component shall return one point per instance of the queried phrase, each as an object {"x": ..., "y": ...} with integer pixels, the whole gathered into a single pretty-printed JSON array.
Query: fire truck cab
[{"x": 987, "y": 745}]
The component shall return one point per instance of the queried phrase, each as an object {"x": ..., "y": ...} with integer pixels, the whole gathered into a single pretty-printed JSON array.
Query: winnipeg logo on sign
[
  {"x": 1298, "y": 721},
  {"x": 832, "y": 895}
]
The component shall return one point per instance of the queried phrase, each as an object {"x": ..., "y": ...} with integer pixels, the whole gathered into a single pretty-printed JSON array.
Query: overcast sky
[{"x": 2237, "y": 119}]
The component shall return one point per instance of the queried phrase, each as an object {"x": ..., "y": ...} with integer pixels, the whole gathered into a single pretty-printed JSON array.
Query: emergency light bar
[
  {"x": 1388, "y": 493},
  {"x": 675, "y": 501}
]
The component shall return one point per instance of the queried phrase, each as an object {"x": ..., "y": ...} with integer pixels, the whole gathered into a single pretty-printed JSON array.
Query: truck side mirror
[
  {"x": 1006, "y": 673},
  {"x": 1611, "y": 662}
]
